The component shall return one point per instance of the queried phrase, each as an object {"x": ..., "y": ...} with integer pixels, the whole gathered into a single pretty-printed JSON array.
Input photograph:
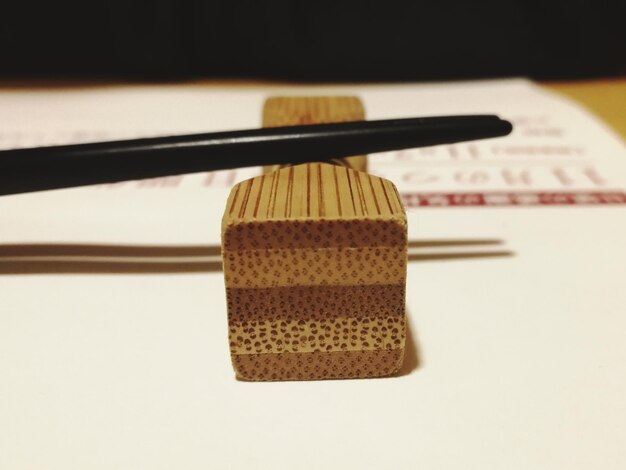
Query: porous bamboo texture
[{"x": 315, "y": 264}]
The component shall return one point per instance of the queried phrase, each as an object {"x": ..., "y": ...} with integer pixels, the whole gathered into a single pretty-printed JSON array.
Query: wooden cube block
[{"x": 315, "y": 269}]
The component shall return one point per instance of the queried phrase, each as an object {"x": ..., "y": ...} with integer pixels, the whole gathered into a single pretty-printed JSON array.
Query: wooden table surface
[{"x": 606, "y": 98}]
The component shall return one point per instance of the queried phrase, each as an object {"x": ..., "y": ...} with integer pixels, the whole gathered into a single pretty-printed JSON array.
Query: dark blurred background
[{"x": 316, "y": 40}]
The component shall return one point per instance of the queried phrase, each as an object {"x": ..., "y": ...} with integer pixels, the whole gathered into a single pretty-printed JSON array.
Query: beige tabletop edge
[{"x": 606, "y": 98}]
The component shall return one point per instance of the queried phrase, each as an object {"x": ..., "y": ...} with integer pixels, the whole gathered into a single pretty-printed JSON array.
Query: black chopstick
[{"x": 42, "y": 168}]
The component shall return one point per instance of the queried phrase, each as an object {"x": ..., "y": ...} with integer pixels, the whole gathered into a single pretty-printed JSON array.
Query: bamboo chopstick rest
[{"x": 315, "y": 263}]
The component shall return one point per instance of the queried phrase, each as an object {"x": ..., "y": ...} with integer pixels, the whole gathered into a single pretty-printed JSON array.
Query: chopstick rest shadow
[
  {"x": 411, "y": 352},
  {"x": 449, "y": 249},
  {"x": 108, "y": 259},
  {"x": 140, "y": 259}
]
